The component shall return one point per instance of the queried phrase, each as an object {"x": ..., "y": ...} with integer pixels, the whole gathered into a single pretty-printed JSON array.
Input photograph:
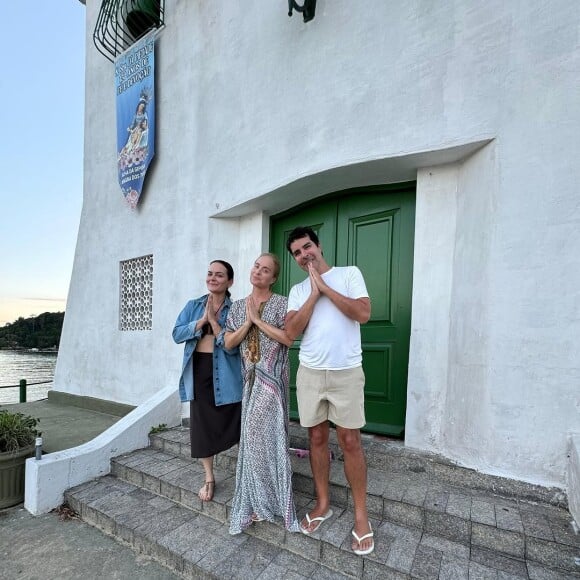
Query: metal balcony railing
[{"x": 122, "y": 22}]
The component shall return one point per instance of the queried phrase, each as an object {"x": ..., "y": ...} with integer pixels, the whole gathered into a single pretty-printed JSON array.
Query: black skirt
[{"x": 211, "y": 428}]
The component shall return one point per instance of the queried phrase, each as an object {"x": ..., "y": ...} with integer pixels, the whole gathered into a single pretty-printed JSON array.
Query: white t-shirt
[{"x": 331, "y": 340}]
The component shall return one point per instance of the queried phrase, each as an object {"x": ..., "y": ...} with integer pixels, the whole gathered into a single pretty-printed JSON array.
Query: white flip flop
[
  {"x": 319, "y": 519},
  {"x": 359, "y": 540}
]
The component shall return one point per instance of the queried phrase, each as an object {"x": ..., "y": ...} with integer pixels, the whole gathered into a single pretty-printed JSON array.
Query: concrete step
[
  {"x": 412, "y": 513},
  {"x": 411, "y": 493},
  {"x": 393, "y": 457},
  {"x": 191, "y": 544},
  {"x": 179, "y": 479}
]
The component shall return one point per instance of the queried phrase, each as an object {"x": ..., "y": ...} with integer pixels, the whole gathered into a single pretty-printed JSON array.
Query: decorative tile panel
[{"x": 136, "y": 294}]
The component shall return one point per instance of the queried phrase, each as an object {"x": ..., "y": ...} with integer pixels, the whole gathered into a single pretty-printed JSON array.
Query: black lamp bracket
[{"x": 307, "y": 9}]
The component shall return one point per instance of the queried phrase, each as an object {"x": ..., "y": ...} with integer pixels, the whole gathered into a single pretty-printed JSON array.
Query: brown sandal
[{"x": 206, "y": 492}]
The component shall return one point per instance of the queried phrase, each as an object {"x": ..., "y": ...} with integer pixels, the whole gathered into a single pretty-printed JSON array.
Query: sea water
[{"x": 35, "y": 367}]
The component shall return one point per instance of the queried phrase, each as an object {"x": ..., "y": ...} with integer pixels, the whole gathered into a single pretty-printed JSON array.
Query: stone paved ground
[
  {"x": 431, "y": 520},
  {"x": 48, "y": 548}
]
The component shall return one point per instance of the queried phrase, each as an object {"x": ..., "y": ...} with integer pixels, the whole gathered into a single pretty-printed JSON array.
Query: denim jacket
[{"x": 227, "y": 373}]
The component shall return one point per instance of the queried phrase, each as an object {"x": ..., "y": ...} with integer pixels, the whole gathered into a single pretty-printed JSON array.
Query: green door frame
[{"x": 373, "y": 228}]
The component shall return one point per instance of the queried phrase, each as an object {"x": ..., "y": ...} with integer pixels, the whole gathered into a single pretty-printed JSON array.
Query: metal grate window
[
  {"x": 122, "y": 22},
  {"x": 136, "y": 294}
]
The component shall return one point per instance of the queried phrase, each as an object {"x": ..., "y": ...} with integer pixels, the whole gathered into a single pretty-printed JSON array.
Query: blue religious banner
[{"x": 135, "y": 86}]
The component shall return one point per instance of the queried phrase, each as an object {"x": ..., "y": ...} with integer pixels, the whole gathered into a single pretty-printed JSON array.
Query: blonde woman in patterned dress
[{"x": 264, "y": 474}]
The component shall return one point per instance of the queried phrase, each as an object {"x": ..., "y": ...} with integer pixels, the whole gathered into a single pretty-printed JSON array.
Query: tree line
[{"x": 42, "y": 331}]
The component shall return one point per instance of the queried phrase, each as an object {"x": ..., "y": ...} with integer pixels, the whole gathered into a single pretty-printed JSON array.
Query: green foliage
[
  {"x": 161, "y": 427},
  {"x": 16, "y": 431},
  {"x": 41, "y": 331}
]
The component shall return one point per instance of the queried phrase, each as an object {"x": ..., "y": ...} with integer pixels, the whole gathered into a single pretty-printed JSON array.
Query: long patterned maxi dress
[{"x": 264, "y": 473}]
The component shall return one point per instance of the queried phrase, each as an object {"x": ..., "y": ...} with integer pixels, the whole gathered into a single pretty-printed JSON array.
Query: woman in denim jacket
[{"x": 211, "y": 378}]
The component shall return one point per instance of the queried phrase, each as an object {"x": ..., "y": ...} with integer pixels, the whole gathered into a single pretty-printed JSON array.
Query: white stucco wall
[{"x": 257, "y": 113}]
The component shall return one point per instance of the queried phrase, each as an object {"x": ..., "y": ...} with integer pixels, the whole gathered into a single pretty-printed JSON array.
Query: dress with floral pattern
[{"x": 264, "y": 473}]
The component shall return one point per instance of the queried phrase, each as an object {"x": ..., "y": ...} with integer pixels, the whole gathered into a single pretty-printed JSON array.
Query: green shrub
[{"x": 17, "y": 431}]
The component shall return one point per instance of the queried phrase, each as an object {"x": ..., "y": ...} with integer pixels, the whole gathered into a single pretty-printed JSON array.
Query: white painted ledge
[
  {"x": 48, "y": 479},
  {"x": 573, "y": 476}
]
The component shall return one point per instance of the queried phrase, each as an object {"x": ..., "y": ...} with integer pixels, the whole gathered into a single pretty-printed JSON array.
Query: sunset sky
[{"x": 41, "y": 153}]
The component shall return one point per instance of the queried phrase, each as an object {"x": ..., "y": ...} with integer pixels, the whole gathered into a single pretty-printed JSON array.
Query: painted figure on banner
[{"x": 135, "y": 130}]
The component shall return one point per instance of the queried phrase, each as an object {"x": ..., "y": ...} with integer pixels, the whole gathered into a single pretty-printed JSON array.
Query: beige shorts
[{"x": 336, "y": 396}]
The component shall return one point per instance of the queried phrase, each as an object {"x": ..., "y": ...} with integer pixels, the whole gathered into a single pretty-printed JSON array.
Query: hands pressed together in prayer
[
  {"x": 252, "y": 311},
  {"x": 318, "y": 285},
  {"x": 210, "y": 314}
]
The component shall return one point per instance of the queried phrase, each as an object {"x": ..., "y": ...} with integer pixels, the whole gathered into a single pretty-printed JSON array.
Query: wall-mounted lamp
[{"x": 307, "y": 9}]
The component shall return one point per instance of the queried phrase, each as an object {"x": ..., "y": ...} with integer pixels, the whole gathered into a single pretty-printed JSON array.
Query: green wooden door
[{"x": 371, "y": 228}]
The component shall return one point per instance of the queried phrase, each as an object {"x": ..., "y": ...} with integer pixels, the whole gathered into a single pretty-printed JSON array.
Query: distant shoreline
[{"x": 51, "y": 350}]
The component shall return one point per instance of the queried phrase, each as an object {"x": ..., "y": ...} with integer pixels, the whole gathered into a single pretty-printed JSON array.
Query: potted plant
[{"x": 17, "y": 440}]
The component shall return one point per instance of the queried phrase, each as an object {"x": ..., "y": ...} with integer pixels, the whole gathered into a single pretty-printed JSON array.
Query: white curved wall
[{"x": 258, "y": 112}]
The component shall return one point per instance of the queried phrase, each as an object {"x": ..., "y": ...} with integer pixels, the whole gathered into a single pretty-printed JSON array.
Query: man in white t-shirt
[{"x": 328, "y": 308}]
